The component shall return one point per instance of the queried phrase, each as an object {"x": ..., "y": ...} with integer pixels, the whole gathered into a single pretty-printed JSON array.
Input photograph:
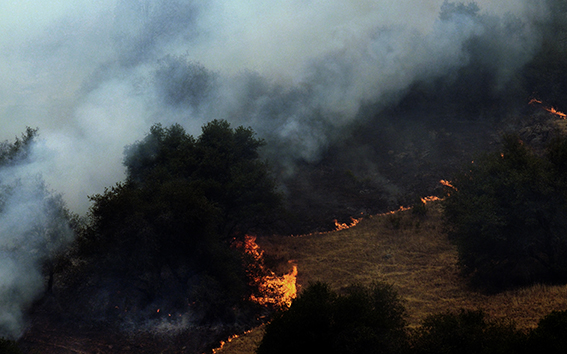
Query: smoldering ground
[{"x": 358, "y": 89}]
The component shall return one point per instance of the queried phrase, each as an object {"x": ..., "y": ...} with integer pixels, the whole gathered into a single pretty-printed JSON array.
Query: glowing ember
[
  {"x": 557, "y": 113},
  {"x": 430, "y": 198},
  {"x": 344, "y": 226},
  {"x": 549, "y": 109},
  {"x": 273, "y": 289},
  {"x": 447, "y": 184}
]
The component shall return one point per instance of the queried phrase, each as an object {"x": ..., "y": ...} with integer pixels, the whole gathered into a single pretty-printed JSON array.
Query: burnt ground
[
  {"x": 376, "y": 172},
  {"x": 49, "y": 333}
]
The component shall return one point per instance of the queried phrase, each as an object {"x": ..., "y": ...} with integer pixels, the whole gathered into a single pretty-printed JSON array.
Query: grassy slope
[{"x": 413, "y": 254}]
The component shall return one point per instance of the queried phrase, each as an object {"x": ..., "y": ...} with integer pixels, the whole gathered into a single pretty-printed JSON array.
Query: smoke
[
  {"x": 94, "y": 77},
  {"x": 33, "y": 228}
]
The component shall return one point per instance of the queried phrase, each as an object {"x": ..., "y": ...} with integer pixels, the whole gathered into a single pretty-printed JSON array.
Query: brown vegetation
[{"x": 413, "y": 253}]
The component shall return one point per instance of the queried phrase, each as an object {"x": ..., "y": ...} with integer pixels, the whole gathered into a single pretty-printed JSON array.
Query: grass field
[{"x": 412, "y": 253}]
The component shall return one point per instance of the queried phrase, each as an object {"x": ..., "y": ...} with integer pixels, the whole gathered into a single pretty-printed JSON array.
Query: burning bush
[
  {"x": 362, "y": 320},
  {"x": 157, "y": 244},
  {"x": 506, "y": 213}
]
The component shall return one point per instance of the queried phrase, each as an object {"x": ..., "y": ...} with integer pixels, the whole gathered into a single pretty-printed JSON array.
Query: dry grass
[{"x": 413, "y": 254}]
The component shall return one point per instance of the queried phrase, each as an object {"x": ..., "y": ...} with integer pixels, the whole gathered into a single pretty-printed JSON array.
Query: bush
[
  {"x": 506, "y": 215},
  {"x": 362, "y": 320},
  {"x": 9, "y": 347},
  {"x": 549, "y": 336},
  {"x": 465, "y": 332}
]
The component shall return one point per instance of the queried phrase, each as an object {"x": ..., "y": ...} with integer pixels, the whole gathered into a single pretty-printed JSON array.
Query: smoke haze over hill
[
  {"x": 94, "y": 76},
  {"x": 323, "y": 82}
]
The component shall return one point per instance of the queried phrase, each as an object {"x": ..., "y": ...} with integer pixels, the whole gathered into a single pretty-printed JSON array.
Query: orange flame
[
  {"x": 549, "y": 109},
  {"x": 222, "y": 343},
  {"x": 447, "y": 184},
  {"x": 344, "y": 226},
  {"x": 556, "y": 112},
  {"x": 430, "y": 198},
  {"x": 273, "y": 289}
]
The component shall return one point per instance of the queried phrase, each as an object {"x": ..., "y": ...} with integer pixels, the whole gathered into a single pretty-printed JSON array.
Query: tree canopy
[
  {"x": 164, "y": 231},
  {"x": 506, "y": 214}
]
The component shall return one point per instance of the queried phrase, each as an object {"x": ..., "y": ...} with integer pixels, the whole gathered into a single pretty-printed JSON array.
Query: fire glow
[
  {"x": 343, "y": 226},
  {"x": 273, "y": 289},
  {"x": 549, "y": 109}
]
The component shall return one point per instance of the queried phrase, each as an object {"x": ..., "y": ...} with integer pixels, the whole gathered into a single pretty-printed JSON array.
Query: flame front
[
  {"x": 549, "y": 109},
  {"x": 273, "y": 289},
  {"x": 344, "y": 226}
]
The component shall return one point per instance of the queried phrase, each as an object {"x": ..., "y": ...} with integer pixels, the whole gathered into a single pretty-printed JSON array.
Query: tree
[
  {"x": 362, "y": 320},
  {"x": 506, "y": 211},
  {"x": 465, "y": 332},
  {"x": 164, "y": 231},
  {"x": 223, "y": 164}
]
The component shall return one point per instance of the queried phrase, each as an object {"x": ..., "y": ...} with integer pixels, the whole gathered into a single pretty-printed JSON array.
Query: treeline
[
  {"x": 156, "y": 244},
  {"x": 372, "y": 320}
]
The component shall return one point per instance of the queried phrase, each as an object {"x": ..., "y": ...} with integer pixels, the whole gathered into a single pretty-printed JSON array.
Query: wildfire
[
  {"x": 273, "y": 289},
  {"x": 222, "y": 343},
  {"x": 549, "y": 109},
  {"x": 430, "y": 198},
  {"x": 447, "y": 184},
  {"x": 344, "y": 226}
]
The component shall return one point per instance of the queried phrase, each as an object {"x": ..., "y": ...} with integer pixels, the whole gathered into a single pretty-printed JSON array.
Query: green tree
[
  {"x": 362, "y": 320},
  {"x": 505, "y": 213},
  {"x": 165, "y": 230},
  {"x": 465, "y": 332}
]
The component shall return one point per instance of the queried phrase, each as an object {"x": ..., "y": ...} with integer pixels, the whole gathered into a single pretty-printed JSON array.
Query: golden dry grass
[{"x": 413, "y": 254}]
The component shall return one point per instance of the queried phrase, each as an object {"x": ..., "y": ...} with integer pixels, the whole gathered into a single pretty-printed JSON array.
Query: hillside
[{"x": 413, "y": 254}]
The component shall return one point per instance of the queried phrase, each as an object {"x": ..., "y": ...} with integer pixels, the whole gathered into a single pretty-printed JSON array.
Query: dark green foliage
[
  {"x": 9, "y": 347},
  {"x": 163, "y": 232},
  {"x": 466, "y": 332},
  {"x": 362, "y": 320},
  {"x": 550, "y": 335},
  {"x": 222, "y": 165},
  {"x": 506, "y": 215}
]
